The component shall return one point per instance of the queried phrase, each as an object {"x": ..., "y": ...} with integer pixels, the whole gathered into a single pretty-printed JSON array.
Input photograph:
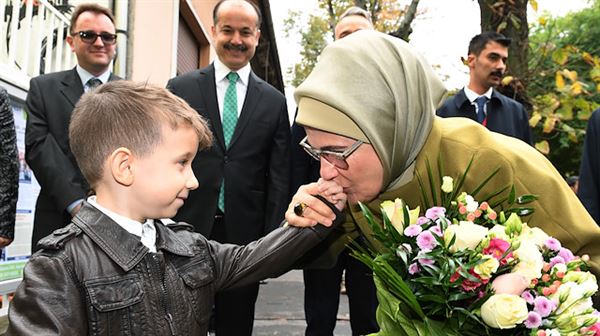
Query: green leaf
[
  {"x": 432, "y": 186},
  {"x": 424, "y": 198},
  {"x": 461, "y": 179},
  {"x": 511, "y": 195},
  {"x": 525, "y": 199},
  {"x": 522, "y": 211},
  {"x": 484, "y": 182}
]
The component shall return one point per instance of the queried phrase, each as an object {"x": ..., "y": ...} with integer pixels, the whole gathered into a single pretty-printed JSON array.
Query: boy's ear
[{"x": 121, "y": 166}]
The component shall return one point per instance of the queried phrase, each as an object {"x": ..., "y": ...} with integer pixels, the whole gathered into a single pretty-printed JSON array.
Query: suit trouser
[
  {"x": 322, "y": 297},
  {"x": 234, "y": 308}
]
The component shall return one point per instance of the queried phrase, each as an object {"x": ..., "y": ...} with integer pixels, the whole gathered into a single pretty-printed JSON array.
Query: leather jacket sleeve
[
  {"x": 267, "y": 257},
  {"x": 48, "y": 302}
]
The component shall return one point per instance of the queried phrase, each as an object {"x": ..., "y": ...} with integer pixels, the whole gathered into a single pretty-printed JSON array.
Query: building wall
[
  {"x": 154, "y": 50},
  {"x": 152, "y": 36}
]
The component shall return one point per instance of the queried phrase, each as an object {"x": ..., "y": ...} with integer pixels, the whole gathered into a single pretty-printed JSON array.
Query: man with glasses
[
  {"x": 49, "y": 104},
  {"x": 323, "y": 278}
]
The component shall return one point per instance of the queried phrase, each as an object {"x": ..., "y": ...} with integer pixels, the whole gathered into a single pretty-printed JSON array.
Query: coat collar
[
  {"x": 71, "y": 86},
  {"x": 122, "y": 247},
  {"x": 461, "y": 98}
]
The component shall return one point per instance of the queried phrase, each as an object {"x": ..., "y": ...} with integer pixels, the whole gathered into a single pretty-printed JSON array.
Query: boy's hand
[{"x": 307, "y": 210}]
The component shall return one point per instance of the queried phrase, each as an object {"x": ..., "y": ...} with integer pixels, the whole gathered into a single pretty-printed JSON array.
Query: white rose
[
  {"x": 504, "y": 311},
  {"x": 472, "y": 205},
  {"x": 468, "y": 235},
  {"x": 499, "y": 231},
  {"x": 447, "y": 184},
  {"x": 535, "y": 235},
  {"x": 531, "y": 260}
]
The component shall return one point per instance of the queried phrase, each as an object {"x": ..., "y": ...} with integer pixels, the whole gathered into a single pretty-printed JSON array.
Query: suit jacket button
[{"x": 225, "y": 159}]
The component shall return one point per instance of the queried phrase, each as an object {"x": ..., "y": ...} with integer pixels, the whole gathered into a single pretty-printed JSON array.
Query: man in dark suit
[
  {"x": 479, "y": 100},
  {"x": 589, "y": 171},
  {"x": 50, "y": 102},
  {"x": 244, "y": 176}
]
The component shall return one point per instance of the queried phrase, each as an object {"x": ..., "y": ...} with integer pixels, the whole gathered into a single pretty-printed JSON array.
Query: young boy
[{"x": 116, "y": 271}]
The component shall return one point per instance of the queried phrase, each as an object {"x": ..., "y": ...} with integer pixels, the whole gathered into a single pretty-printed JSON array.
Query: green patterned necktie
[
  {"x": 230, "y": 116},
  {"x": 230, "y": 110}
]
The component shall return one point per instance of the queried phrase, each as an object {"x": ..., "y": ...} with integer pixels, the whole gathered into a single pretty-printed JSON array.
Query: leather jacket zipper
[{"x": 163, "y": 296}]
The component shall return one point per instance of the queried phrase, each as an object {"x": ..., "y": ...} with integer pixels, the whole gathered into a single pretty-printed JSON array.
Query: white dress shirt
[
  {"x": 222, "y": 83},
  {"x": 85, "y": 76},
  {"x": 472, "y": 95},
  {"x": 146, "y": 231}
]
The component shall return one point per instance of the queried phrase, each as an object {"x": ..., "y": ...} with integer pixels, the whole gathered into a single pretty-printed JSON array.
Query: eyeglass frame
[
  {"x": 101, "y": 35},
  {"x": 317, "y": 153}
]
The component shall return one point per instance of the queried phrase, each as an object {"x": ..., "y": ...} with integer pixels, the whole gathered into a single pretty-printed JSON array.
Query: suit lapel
[
  {"x": 72, "y": 88},
  {"x": 208, "y": 90},
  {"x": 250, "y": 102}
]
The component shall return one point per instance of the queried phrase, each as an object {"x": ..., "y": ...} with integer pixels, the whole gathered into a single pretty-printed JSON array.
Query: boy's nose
[{"x": 192, "y": 183}]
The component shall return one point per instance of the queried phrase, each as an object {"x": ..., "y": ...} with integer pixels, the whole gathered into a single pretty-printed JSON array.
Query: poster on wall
[{"x": 14, "y": 256}]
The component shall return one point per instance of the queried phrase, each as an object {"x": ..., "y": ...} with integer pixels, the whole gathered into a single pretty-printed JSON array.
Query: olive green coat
[{"x": 557, "y": 211}]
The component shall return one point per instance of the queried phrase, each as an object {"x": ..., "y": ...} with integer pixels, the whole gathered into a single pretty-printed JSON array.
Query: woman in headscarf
[{"x": 368, "y": 108}]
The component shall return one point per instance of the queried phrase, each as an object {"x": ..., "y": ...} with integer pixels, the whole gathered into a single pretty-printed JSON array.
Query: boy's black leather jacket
[{"x": 93, "y": 277}]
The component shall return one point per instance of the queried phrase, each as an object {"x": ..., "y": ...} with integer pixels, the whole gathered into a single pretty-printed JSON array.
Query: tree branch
[{"x": 405, "y": 29}]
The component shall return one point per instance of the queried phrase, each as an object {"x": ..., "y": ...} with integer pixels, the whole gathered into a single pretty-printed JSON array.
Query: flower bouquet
[{"x": 463, "y": 268}]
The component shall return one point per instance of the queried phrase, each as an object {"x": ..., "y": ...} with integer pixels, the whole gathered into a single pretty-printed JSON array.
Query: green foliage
[
  {"x": 316, "y": 30},
  {"x": 564, "y": 82},
  {"x": 312, "y": 42}
]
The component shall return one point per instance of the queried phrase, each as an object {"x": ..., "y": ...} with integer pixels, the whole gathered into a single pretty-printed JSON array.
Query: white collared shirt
[
  {"x": 85, "y": 76},
  {"x": 221, "y": 82},
  {"x": 472, "y": 95},
  {"x": 146, "y": 231}
]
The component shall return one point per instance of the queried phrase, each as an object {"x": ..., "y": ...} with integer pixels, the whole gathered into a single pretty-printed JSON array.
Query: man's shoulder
[
  {"x": 266, "y": 86},
  {"x": 192, "y": 75},
  {"x": 505, "y": 100},
  {"x": 53, "y": 76},
  {"x": 452, "y": 104}
]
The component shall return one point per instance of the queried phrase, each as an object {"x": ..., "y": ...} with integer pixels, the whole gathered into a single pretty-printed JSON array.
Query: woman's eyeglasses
[
  {"x": 90, "y": 36},
  {"x": 337, "y": 159}
]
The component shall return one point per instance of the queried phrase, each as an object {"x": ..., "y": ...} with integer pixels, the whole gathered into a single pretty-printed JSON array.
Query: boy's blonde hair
[{"x": 127, "y": 114}]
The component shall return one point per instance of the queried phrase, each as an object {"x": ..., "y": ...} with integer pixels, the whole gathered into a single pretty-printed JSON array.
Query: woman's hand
[{"x": 307, "y": 210}]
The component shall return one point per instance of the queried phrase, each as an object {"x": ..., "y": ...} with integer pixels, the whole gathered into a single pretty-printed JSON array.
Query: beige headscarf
[{"x": 376, "y": 88}]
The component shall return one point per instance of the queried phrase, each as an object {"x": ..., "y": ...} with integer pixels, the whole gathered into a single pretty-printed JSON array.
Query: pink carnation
[
  {"x": 526, "y": 295},
  {"x": 533, "y": 320},
  {"x": 543, "y": 306},
  {"x": 413, "y": 268},
  {"x": 556, "y": 260},
  {"x": 566, "y": 254},
  {"x": 412, "y": 230},
  {"x": 422, "y": 220},
  {"x": 552, "y": 244},
  {"x": 426, "y": 241},
  {"x": 437, "y": 229},
  {"x": 435, "y": 212}
]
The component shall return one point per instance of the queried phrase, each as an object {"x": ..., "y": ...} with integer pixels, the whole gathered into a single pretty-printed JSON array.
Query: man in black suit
[
  {"x": 244, "y": 176},
  {"x": 589, "y": 171},
  {"x": 479, "y": 100},
  {"x": 50, "y": 102}
]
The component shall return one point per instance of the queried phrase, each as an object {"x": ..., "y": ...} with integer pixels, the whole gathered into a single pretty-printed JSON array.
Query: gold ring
[{"x": 299, "y": 208}]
